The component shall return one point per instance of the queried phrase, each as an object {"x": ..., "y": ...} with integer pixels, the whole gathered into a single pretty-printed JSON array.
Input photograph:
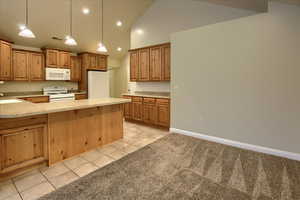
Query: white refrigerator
[{"x": 98, "y": 84}]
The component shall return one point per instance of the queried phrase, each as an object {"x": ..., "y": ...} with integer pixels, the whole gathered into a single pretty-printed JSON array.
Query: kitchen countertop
[
  {"x": 25, "y": 108},
  {"x": 164, "y": 95},
  {"x": 34, "y": 93}
]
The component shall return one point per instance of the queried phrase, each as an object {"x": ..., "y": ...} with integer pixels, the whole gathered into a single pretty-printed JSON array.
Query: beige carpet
[{"x": 181, "y": 167}]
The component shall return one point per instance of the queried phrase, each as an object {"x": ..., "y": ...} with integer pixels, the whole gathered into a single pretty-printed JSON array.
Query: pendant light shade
[
  {"x": 24, "y": 30},
  {"x": 69, "y": 39},
  {"x": 101, "y": 46}
]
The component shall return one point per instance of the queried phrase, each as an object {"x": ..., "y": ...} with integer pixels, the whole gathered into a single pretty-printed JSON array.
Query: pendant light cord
[
  {"x": 26, "y": 15},
  {"x": 102, "y": 23},
  {"x": 71, "y": 17}
]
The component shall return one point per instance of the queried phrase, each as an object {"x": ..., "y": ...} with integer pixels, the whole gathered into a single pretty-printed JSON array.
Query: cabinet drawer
[
  {"x": 40, "y": 99},
  {"x": 80, "y": 96},
  {"x": 137, "y": 99},
  {"x": 149, "y": 100},
  {"x": 21, "y": 122},
  {"x": 162, "y": 101}
]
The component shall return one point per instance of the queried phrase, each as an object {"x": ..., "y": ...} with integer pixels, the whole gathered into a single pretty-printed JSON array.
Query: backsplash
[
  {"x": 149, "y": 86},
  {"x": 21, "y": 86}
]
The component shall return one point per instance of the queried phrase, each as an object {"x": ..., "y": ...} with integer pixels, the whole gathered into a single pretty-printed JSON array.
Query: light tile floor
[{"x": 39, "y": 182}]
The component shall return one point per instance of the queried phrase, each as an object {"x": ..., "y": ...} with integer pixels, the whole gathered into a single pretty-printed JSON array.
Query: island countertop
[{"x": 25, "y": 108}]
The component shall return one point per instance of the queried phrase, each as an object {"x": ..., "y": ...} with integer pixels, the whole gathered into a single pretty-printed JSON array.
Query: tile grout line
[{"x": 47, "y": 180}]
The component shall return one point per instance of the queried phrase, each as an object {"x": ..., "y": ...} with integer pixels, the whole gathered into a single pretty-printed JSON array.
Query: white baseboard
[{"x": 266, "y": 150}]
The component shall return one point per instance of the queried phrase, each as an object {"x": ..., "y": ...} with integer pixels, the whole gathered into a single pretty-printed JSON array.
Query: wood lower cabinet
[
  {"x": 32, "y": 141},
  {"x": 127, "y": 109},
  {"x": 163, "y": 107},
  {"x": 149, "y": 111},
  {"x": 5, "y": 61},
  {"x": 23, "y": 143},
  {"x": 137, "y": 108},
  {"x": 80, "y": 96},
  {"x": 154, "y": 111}
]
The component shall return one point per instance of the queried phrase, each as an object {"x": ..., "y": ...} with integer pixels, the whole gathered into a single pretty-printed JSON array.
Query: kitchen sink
[{"x": 6, "y": 101}]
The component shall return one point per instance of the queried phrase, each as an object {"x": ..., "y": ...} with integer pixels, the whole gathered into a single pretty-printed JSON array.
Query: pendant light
[
  {"x": 101, "y": 46},
  {"x": 25, "y": 31},
  {"x": 69, "y": 38}
]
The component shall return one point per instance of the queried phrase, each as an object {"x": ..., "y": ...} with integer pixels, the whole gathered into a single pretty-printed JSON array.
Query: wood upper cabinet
[
  {"x": 64, "y": 59},
  {"x": 52, "y": 58},
  {"x": 155, "y": 64},
  {"x": 36, "y": 67},
  {"x": 166, "y": 62},
  {"x": 75, "y": 68},
  {"x": 134, "y": 66},
  {"x": 32, "y": 140},
  {"x": 163, "y": 106},
  {"x": 144, "y": 65},
  {"x": 5, "y": 61},
  {"x": 57, "y": 59},
  {"x": 93, "y": 61},
  {"x": 102, "y": 62},
  {"x": 20, "y": 65},
  {"x": 150, "y": 63},
  {"x": 28, "y": 66}
]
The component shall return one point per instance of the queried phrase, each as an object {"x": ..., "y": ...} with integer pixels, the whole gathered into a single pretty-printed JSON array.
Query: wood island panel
[{"x": 75, "y": 132}]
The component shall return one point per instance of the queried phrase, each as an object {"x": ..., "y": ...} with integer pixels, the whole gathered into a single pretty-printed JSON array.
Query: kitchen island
[{"x": 47, "y": 133}]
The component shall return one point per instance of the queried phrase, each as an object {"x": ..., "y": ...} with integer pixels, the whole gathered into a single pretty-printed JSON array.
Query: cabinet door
[
  {"x": 163, "y": 106},
  {"x": 150, "y": 113},
  {"x": 80, "y": 96},
  {"x": 20, "y": 65},
  {"x": 155, "y": 64},
  {"x": 127, "y": 112},
  {"x": 93, "y": 61},
  {"x": 137, "y": 108},
  {"x": 144, "y": 67},
  {"x": 5, "y": 61},
  {"x": 33, "y": 142},
  {"x": 166, "y": 62},
  {"x": 52, "y": 58},
  {"x": 36, "y": 67},
  {"x": 134, "y": 66},
  {"x": 102, "y": 62},
  {"x": 75, "y": 69},
  {"x": 64, "y": 59}
]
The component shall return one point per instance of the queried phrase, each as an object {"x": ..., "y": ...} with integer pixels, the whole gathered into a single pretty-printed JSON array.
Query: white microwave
[{"x": 56, "y": 74}]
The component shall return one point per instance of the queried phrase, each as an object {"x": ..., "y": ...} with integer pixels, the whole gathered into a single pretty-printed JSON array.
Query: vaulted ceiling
[{"x": 50, "y": 18}]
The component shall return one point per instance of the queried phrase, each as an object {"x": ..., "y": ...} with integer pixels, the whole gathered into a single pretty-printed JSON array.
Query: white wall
[
  {"x": 239, "y": 80},
  {"x": 165, "y": 17}
]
